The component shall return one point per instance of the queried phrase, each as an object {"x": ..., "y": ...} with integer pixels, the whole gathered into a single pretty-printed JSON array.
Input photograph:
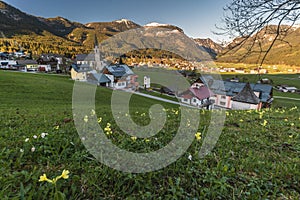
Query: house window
[
  {"x": 223, "y": 97},
  {"x": 185, "y": 100},
  {"x": 195, "y": 100},
  {"x": 222, "y": 103}
]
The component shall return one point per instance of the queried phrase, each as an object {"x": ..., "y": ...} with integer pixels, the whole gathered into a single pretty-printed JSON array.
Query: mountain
[
  {"x": 21, "y": 31},
  {"x": 285, "y": 51},
  {"x": 210, "y": 46}
]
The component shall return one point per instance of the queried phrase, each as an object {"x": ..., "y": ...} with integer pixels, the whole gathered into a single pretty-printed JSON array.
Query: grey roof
[
  {"x": 119, "y": 70},
  {"x": 233, "y": 88},
  {"x": 81, "y": 68},
  {"x": 246, "y": 95},
  {"x": 101, "y": 78},
  {"x": 26, "y": 62},
  {"x": 85, "y": 57}
]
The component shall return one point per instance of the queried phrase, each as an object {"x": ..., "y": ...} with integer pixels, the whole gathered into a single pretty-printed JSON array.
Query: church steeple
[{"x": 98, "y": 62}]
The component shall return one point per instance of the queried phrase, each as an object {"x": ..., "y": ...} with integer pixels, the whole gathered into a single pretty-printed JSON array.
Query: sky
[{"x": 196, "y": 17}]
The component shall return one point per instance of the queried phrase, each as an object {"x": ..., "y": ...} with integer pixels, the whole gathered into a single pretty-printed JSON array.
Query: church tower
[{"x": 98, "y": 63}]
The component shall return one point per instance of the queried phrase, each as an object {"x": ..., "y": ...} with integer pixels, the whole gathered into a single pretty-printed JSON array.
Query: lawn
[{"x": 256, "y": 157}]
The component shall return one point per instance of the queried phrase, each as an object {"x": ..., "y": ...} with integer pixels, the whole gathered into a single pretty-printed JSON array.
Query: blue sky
[{"x": 196, "y": 17}]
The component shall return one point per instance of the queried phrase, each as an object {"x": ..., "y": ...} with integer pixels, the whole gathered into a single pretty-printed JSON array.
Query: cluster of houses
[
  {"x": 45, "y": 63},
  {"x": 89, "y": 68},
  {"x": 209, "y": 93}
]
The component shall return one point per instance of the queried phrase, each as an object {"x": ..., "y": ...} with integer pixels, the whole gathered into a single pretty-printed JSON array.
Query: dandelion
[
  {"x": 290, "y": 136},
  {"x": 286, "y": 120},
  {"x": 27, "y": 139},
  {"x": 190, "y": 157},
  {"x": 86, "y": 119},
  {"x": 56, "y": 127},
  {"x": 32, "y": 149},
  {"x": 198, "y": 136},
  {"x": 147, "y": 140},
  {"x": 100, "y": 120},
  {"x": 133, "y": 138},
  {"x": 292, "y": 124},
  {"x": 241, "y": 120}
]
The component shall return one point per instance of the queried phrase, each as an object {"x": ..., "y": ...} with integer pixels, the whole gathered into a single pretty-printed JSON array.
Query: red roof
[{"x": 202, "y": 92}]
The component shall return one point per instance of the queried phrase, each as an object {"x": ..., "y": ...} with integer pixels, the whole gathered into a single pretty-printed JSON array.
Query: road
[
  {"x": 162, "y": 99},
  {"x": 288, "y": 98}
]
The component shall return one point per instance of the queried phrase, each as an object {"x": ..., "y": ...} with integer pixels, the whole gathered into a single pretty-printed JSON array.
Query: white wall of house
[
  {"x": 112, "y": 79},
  {"x": 186, "y": 101},
  {"x": 6, "y": 64},
  {"x": 121, "y": 85},
  {"x": 244, "y": 106}
]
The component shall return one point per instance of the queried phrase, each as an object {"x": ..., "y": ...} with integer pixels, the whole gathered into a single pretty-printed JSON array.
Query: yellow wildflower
[
  {"x": 198, "y": 136},
  {"x": 86, "y": 119},
  {"x": 44, "y": 178},
  {"x": 133, "y": 138},
  {"x": 265, "y": 123},
  {"x": 65, "y": 174},
  {"x": 93, "y": 112},
  {"x": 100, "y": 120}
]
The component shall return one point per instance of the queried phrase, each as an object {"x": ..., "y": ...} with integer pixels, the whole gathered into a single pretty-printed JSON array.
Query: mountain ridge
[{"x": 63, "y": 36}]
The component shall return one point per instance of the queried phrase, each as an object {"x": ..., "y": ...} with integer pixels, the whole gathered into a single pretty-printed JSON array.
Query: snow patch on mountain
[
  {"x": 155, "y": 24},
  {"x": 126, "y": 21}
]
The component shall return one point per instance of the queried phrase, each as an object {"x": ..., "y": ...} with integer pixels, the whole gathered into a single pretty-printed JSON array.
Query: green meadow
[{"x": 256, "y": 157}]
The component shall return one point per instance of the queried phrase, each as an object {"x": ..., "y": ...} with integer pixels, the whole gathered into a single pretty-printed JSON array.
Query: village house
[
  {"x": 121, "y": 77},
  {"x": 147, "y": 82},
  {"x": 197, "y": 95},
  {"x": 7, "y": 64},
  {"x": 98, "y": 79},
  {"x": 238, "y": 95},
  {"x": 49, "y": 59},
  {"x": 30, "y": 65},
  {"x": 80, "y": 72}
]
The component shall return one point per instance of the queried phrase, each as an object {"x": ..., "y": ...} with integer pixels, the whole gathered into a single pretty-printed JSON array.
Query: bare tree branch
[{"x": 250, "y": 20}]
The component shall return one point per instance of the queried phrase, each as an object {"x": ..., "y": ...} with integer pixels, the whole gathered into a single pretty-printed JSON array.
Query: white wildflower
[
  {"x": 32, "y": 149},
  {"x": 43, "y": 135}
]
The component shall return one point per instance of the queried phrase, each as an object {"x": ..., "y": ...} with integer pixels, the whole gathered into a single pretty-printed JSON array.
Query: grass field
[{"x": 256, "y": 157}]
